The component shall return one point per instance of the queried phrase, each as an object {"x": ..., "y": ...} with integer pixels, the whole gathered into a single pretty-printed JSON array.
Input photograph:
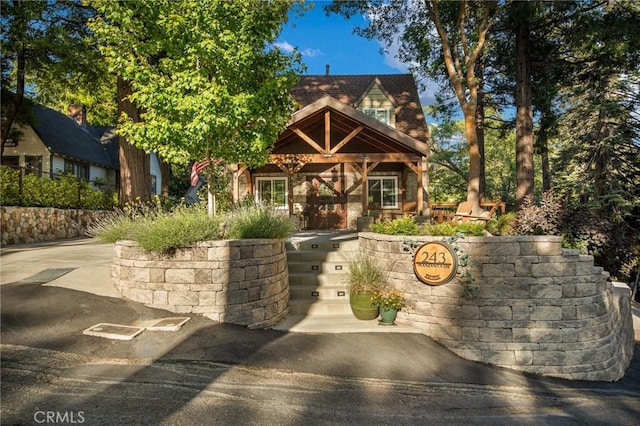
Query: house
[
  {"x": 357, "y": 145},
  {"x": 54, "y": 144}
]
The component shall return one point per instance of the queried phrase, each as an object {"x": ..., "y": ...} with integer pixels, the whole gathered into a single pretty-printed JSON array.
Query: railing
[{"x": 441, "y": 212}]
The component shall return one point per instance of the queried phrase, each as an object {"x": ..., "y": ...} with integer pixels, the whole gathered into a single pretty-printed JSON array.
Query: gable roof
[
  {"x": 63, "y": 136},
  {"x": 350, "y": 90}
]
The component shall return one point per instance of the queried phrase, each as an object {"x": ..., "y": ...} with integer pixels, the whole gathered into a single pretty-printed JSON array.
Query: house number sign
[{"x": 435, "y": 263}]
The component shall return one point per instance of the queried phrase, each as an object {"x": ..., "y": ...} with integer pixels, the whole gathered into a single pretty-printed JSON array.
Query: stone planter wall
[
  {"x": 242, "y": 282},
  {"x": 539, "y": 309},
  {"x": 35, "y": 224}
]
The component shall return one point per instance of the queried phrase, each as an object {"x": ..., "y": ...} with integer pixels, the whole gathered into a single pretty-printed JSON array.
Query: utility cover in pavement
[
  {"x": 47, "y": 275},
  {"x": 169, "y": 324},
  {"x": 113, "y": 331}
]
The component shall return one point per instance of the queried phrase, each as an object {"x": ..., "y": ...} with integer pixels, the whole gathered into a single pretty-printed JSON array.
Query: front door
[{"x": 326, "y": 202}]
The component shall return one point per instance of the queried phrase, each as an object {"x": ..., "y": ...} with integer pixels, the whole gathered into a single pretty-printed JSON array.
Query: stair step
[
  {"x": 316, "y": 256},
  {"x": 315, "y": 279},
  {"x": 319, "y": 307},
  {"x": 318, "y": 267},
  {"x": 324, "y": 245},
  {"x": 313, "y": 293}
]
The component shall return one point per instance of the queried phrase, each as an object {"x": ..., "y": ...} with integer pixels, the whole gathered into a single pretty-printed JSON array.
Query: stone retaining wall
[
  {"x": 242, "y": 282},
  {"x": 35, "y": 224},
  {"x": 539, "y": 308}
]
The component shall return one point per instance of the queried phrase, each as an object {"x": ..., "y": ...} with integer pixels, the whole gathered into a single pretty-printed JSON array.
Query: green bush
[
  {"x": 502, "y": 225},
  {"x": 475, "y": 229},
  {"x": 404, "y": 225},
  {"x": 255, "y": 221},
  {"x": 182, "y": 227},
  {"x": 9, "y": 186},
  {"x": 158, "y": 230},
  {"x": 63, "y": 192}
]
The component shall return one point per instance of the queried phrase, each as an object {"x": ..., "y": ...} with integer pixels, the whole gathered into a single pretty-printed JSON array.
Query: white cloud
[
  {"x": 311, "y": 53},
  {"x": 284, "y": 45},
  {"x": 288, "y": 47}
]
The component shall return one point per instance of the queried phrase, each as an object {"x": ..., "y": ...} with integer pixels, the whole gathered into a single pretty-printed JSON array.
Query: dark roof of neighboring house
[
  {"x": 63, "y": 136},
  {"x": 350, "y": 89}
]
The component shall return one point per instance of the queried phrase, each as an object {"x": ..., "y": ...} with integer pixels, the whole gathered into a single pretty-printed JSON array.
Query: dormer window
[{"x": 380, "y": 114}]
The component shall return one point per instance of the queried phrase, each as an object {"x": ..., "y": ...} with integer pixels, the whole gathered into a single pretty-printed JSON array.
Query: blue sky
[{"x": 330, "y": 40}]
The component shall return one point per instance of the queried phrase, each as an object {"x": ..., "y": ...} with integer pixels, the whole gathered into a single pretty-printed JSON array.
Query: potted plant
[
  {"x": 364, "y": 276},
  {"x": 389, "y": 301}
]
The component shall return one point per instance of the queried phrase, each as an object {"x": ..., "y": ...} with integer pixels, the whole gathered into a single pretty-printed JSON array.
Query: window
[
  {"x": 272, "y": 191},
  {"x": 80, "y": 170},
  {"x": 383, "y": 191},
  {"x": 154, "y": 184},
  {"x": 12, "y": 161},
  {"x": 380, "y": 114},
  {"x": 33, "y": 165}
]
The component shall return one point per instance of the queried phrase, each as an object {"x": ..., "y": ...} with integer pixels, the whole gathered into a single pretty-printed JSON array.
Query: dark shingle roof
[
  {"x": 63, "y": 136},
  {"x": 350, "y": 89}
]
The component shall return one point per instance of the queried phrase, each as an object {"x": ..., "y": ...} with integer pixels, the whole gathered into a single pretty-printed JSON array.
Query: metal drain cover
[
  {"x": 113, "y": 331},
  {"x": 45, "y": 276},
  {"x": 169, "y": 324}
]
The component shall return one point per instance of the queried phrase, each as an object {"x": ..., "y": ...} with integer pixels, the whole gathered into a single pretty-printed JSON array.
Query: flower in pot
[
  {"x": 364, "y": 276},
  {"x": 389, "y": 301}
]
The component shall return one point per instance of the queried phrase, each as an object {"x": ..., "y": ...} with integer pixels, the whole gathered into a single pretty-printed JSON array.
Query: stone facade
[
  {"x": 539, "y": 308},
  {"x": 242, "y": 282},
  {"x": 35, "y": 224}
]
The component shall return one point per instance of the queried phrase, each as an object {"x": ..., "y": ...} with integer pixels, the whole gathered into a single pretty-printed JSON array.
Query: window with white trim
[
  {"x": 380, "y": 114},
  {"x": 383, "y": 191},
  {"x": 272, "y": 191}
]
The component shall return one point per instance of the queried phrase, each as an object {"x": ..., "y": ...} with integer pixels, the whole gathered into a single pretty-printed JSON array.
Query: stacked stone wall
[
  {"x": 539, "y": 308},
  {"x": 242, "y": 282},
  {"x": 36, "y": 224}
]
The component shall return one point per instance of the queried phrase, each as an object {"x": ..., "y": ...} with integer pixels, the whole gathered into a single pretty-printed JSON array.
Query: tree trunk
[
  {"x": 165, "y": 174},
  {"x": 480, "y": 131},
  {"x": 135, "y": 173},
  {"x": 473, "y": 183},
  {"x": 16, "y": 101},
  {"x": 524, "y": 117}
]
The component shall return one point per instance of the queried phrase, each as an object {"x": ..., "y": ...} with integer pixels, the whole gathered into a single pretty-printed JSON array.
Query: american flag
[{"x": 198, "y": 167}]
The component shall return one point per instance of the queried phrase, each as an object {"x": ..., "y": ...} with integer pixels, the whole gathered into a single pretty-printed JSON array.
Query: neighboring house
[
  {"x": 55, "y": 144},
  {"x": 352, "y": 135}
]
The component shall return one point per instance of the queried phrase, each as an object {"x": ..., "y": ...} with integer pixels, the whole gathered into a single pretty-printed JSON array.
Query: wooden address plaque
[{"x": 435, "y": 263}]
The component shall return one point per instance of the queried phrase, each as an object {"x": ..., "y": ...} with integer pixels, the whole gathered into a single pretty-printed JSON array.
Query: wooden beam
[
  {"x": 419, "y": 197},
  {"x": 327, "y": 131},
  {"x": 308, "y": 140},
  {"x": 411, "y": 166},
  {"x": 347, "y": 138},
  {"x": 393, "y": 157},
  {"x": 373, "y": 166},
  {"x": 365, "y": 191}
]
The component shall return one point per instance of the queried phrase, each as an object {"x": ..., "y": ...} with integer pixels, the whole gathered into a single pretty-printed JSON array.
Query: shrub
[
  {"x": 257, "y": 221},
  {"x": 9, "y": 186},
  {"x": 404, "y": 225},
  {"x": 364, "y": 274},
  {"x": 544, "y": 219},
  {"x": 182, "y": 227},
  {"x": 502, "y": 225},
  {"x": 448, "y": 229}
]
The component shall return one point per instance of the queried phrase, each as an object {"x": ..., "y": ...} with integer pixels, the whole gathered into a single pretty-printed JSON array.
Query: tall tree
[
  {"x": 206, "y": 77},
  {"x": 443, "y": 38},
  {"x": 41, "y": 41}
]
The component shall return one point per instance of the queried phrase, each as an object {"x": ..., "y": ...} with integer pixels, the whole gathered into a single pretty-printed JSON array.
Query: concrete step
[
  {"x": 318, "y": 267},
  {"x": 315, "y": 256},
  {"x": 313, "y": 293},
  {"x": 315, "y": 279},
  {"x": 319, "y": 307}
]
